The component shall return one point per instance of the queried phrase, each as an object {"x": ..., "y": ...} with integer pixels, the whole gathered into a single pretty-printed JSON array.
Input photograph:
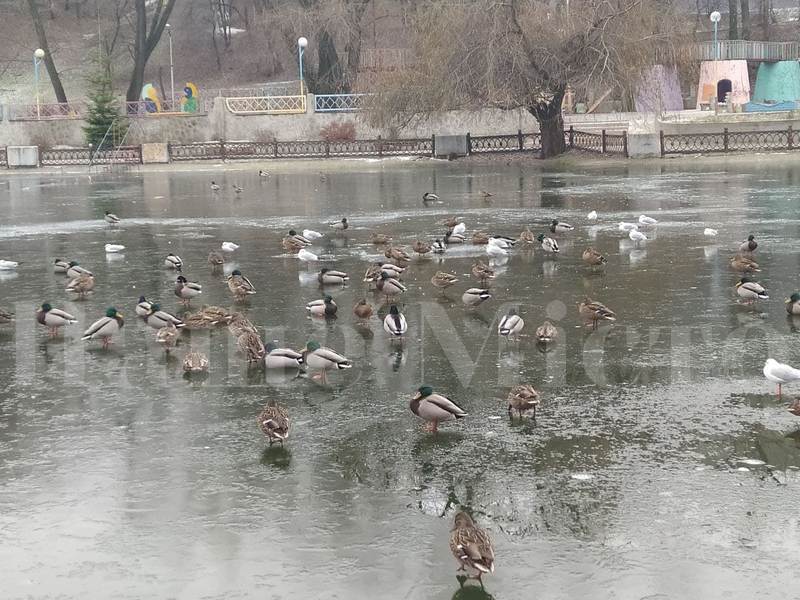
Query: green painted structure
[{"x": 777, "y": 82}]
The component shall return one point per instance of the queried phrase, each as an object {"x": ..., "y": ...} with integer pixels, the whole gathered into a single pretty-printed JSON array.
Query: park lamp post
[
  {"x": 301, "y": 48},
  {"x": 171, "y": 70},
  {"x": 38, "y": 56},
  {"x": 715, "y": 18}
]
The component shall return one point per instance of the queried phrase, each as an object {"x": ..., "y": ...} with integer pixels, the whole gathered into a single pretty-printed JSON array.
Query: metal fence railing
[
  {"x": 45, "y": 112},
  {"x": 86, "y": 156},
  {"x": 601, "y": 143},
  {"x": 266, "y": 105},
  {"x": 743, "y": 50},
  {"x": 275, "y": 88},
  {"x": 339, "y": 102},
  {"x": 165, "y": 107},
  {"x": 3, "y": 156},
  {"x": 729, "y": 141}
]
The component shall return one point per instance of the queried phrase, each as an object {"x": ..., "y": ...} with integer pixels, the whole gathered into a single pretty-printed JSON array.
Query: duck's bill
[
  {"x": 786, "y": 300},
  {"x": 417, "y": 396}
]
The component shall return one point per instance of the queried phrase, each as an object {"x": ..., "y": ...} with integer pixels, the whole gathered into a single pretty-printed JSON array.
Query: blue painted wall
[{"x": 777, "y": 82}]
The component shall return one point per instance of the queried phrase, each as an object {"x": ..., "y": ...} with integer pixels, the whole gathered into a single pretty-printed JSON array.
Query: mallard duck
[
  {"x": 475, "y": 296},
  {"x": 215, "y": 186},
  {"x": 195, "y": 362},
  {"x": 527, "y": 237},
  {"x": 394, "y": 253},
  {"x": 240, "y": 286},
  {"x": 471, "y": 546},
  {"x": 636, "y": 236},
  {"x": 274, "y": 422},
  {"x": 208, "y": 316},
  {"x": 750, "y": 245},
  {"x": 522, "y": 398},
  {"x": 546, "y": 333},
  {"x": 430, "y": 197},
  {"x": 442, "y": 280},
  {"x": 186, "y": 290},
  {"x": 780, "y": 373},
  {"x": 450, "y": 222},
  {"x": 282, "y": 358},
  {"x": 595, "y": 311},
  {"x": 6, "y": 316},
  {"x": 451, "y": 238},
  {"x": 593, "y": 258},
  {"x": 167, "y": 337},
  {"x": 794, "y": 407},
  {"x": 340, "y": 225},
  {"x": 216, "y": 259},
  {"x": 362, "y": 310},
  {"x": 237, "y": 188},
  {"x": 388, "y": 286},
  {"x": 750, "y": 290},
  {"x": 158, "y": 318},
  {"x": 263, "y": 174},
  {"x": 111, "y": 218},
  {"x": 173, "y": 261},
  {"x": 434, "y": 408},
  {"x": 421, "y": 247},
  {"x": 324, "y": 307},
  {"x": 479, "y": 238},
  {"x": 560, "y": 227},
  {"x": 379, "y": 239},
  {"x": 143, "y": 307},
  {"x": 438, "y": 246},
  {"x": 291, "y": 245},
  {"x": 105, "y": 328},
  {"x": 319, "y": 358},
  {"x": 300, "y": 239},
  {"x": 510, "y": 325},
  {"x": 395, "y": 323},
  {"x": 60, "y": 265},
  {"x": 484, "y": 194},
  {"x": 482, "y": 272},
  {"x": 250, "y": 344},
  {"x": 239, "y": 324},
  {"x": 74, "y": 270},
  {"x": 646, "y": 221},
  {"x": 549, "y": 245},
  {"x": 53, "y": 318},
  {"x": 328, "y": 276},
  {"x": 742, "y": 264},
  {"x": 793, "y": 304},
  {"x": 81, "y": 285}
]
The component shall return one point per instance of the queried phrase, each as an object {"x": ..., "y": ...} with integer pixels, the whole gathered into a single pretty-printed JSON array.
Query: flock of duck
[{"x": 470, "y": 544}]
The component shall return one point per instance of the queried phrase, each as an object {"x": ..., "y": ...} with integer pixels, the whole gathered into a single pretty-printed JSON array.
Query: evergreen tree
[{"x": 103, "y": 108}]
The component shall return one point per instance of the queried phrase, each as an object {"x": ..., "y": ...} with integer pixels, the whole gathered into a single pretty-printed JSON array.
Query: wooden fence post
[
  {"x": 725, "y": 140},
  {"x": 661, "y": 137},
  {"x": 469, "y": 144},
  {"x": 625, "y": 144},
  {"x": 520, "y": 139},
  {"x": 603, "y": 141},
  {"x": 789, "y": 136},
  {"x": 433, "y": 145}
]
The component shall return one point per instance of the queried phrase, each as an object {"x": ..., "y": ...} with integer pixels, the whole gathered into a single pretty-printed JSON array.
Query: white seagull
[
  {"x": 229, "y": 247},
  {"x": 112, "y": 248},
  {"x": 8, "y": 265},
  {"x": 710, "y": 232},
  {"x": 780, "y": 373},
  {"x": 310, "y": 234},
  {"x": 645, "y": 220},
  {"x": 592, "y": 216},
  {"x": 637, "y": 236}
]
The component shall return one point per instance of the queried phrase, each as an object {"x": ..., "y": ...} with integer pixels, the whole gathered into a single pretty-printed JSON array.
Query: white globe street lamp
[
  {"x": 38, "y": 56},
  {"x": 302, "y": 43},
  {"x": 715, "y": 19}
]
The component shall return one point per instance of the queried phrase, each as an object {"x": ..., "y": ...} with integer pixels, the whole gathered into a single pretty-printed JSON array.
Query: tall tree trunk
[
  {"x": 41, "y": 36},
  {"x": 551, "y": 125},
  {"x": 145, "y": 41},
  {"x": 745, "y": 5},
  {"x": 329, "y": 70},
  {"x": 733, "y": 26},
  {"x": 766, "y": 10}
]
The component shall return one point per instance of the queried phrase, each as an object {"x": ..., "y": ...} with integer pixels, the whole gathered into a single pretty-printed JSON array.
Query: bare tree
[
  {"x": 745, "y": 6},
  {"x": 49, "y": 63},
  {"x": 733, "y": 26},
  {"x": 146, "y": 38},
  {"x": 522, "y": 54}
]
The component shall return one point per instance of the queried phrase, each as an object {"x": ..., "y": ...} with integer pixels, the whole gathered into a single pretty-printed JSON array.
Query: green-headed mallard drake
[
  {"x": 750, "y": 290},
  {"x": 6, "y": 316},
  {"x": 395, "y": 323},
  {"x": 742, "y": 264},
  {"x": 451, "y": 238},
  {"x": 442, "y": 280},
  {"x": 522, "y": 399},
  {"x": 82, "y": 285},
  {"x": 340, "y": 225},
  {"x": 479, "y": 238},
  {"x": 239, "y": 324},
  {"x": 207, "y": 317},
  {"x": 595, "y": 311},
  {"x": 325, "y": 307},
  {"x": 216, "y": 260},
  {"x": 793, "y": 304},
  {"x": 527, "y": 236},
  {"x": 482, "y": 272},
  {"x": 546, "y": 333},
  {"x": 53, "y": 318},
  {"x": 74, "y": 270},
  {"x": 363, "y": 310},
  {"x": 380, "y": 239},
  {"x": 560, "y": 227},
  {"x": 471, "y": 546},
  {"x": 328, "y": 276},
  {"x": 510, "y": 325},
  {"x": 186, "y": 290},
  {"x": 251, "y": 346},
  {"x": 398, "y": 254},
  {"x": 195, "y": 362},
  {"x": 158, "y": 318},
  {"x": 319, "y": 358},
  {"x": 291, "y": 245},
  {"x": 420, "y": 247},
  {"x": 105, "y": 328},
  {"x": 549, "y": 245},
  {"x": 373, "y": 273},
  {"x": 475, "y": 296},
  {"x": 750, "y": 245},
  {"x": 593, "y": 258},
  {"x": 143, "y": 307},
  {"x": 300, "y": 239},
  {"x": 282, "y": 358},
  {"x": 434, "y": 408},
  {"x": 240, "y": 286},
  {"x": 274, "y": 422},
  {"x": 173, "y": 261},
  {"x": 438, "y": 246},
  {"x": 111, "y": 218},
  {"x": 388, "y": 286},
  {"x": 60, "y": 265},
  {"x": 167, "y": 337}
]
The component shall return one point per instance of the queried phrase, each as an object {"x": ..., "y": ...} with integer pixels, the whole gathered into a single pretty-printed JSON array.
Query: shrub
[{"x": 341, "y": 131}]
